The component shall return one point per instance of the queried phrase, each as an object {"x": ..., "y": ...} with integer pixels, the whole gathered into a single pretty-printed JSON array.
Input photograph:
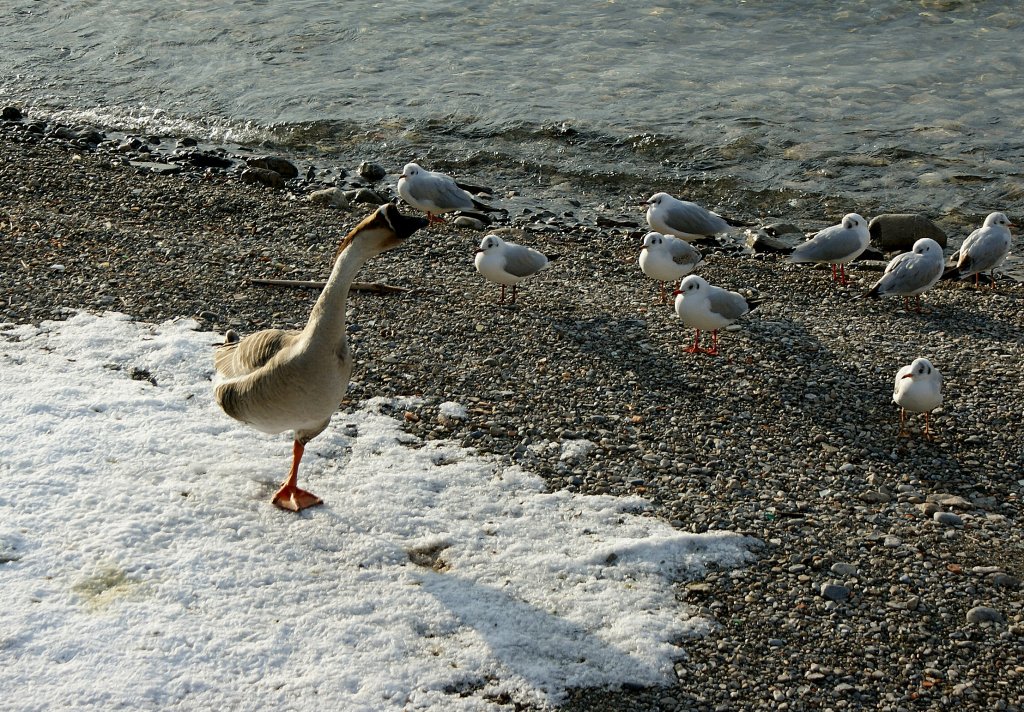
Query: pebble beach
[{"x": 889, "y": 573}]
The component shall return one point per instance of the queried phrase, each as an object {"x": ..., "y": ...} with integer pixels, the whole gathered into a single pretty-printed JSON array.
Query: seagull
[
  {"x": 911, "y": 274},
  {"x": 276, "y": 380},
  {"x": 835, "y": 245},
  {"x": 703, "y": 306},
  {"x": 985, "y": 248},
  {"x": 683, "y": 219},
  {"x": 435, "y": 193},
  {"x": 918, "y": 389},
  {"x": 667, "y": 259},
  {"x": 508, "y": 263}
]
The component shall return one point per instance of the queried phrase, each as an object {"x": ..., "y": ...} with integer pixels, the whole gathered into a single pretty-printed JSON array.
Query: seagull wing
[
  {"x": 523, "y": 261},
  {"x": 832, "y": 243},
  {"x": 692, "y": 219},
  {"x": 683, "y": 253},
  {"x": 440, "y": 191},
  {"x": 730, "y": 305}
]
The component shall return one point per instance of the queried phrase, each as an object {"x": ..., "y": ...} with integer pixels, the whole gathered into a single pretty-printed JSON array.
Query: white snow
[{"x": 143, "y": 566}]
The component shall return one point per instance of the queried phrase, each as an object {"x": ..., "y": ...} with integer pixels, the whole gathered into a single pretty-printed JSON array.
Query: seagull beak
[
  {"x": 478, "y": 250},
  {"x": 909, "y": 375},
  {"x": 676, "y": 292}
]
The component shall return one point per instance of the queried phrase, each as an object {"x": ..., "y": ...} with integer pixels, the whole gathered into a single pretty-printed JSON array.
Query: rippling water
[{"x": 879, "y": 106}]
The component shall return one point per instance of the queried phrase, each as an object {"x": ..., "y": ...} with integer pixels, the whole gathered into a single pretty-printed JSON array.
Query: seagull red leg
[
  {"x": 695, "y": 348},
  {"x": 514, "y": 292},
  {"x": 713, "y": 351},
  {"x": 290, "y": 497},
  {"x": 903, "y": 427}
]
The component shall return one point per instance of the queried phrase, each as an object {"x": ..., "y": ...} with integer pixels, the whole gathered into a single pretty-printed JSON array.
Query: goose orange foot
[{"x": 294, "y": 499}]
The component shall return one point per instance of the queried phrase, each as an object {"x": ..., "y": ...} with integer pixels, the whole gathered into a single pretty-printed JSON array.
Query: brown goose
[{"x": 276, "y": 380}]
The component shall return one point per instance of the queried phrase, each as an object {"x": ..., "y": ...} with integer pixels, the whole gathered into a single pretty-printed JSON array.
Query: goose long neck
[{"x": 327, "y": 318}]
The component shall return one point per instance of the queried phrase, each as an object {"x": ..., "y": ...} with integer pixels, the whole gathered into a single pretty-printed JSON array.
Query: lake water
[{"x": 821, "y": 107}]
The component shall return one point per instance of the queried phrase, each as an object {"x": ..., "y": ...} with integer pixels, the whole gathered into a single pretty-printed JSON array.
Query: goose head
[{"x": 385, "y": 229}]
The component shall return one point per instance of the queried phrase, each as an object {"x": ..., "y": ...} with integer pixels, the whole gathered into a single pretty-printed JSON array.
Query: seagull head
[
  {"x": 653, "y": 238},
  {"x": 691, "y": 285},
  {"x": 490, "y": 242},
  {"x": 920, "y": 368},
  {"x": 852, "y": 221},
  {"x": 656, "y": 199},
  {"x": 925, "y": 246},
  {"x": 411, "y": 170},
  {"x": 998, "y": 219}
]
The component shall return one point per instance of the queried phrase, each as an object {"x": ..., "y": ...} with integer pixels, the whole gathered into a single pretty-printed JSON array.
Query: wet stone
[
  {"x": 371, "y": 171},
  {"x": 283, "y": 167},
  {"x": 262, "y": 176},
  {"x": 897, "y": 232}
]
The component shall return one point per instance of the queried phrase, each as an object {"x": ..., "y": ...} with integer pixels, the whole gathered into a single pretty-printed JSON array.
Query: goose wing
[{"x": 241, "y": 357}]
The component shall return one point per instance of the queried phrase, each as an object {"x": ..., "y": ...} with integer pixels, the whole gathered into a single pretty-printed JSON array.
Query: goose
[
  {"x": 985, "y": 248},
  {"x": 277, "y": 380},
  {"x": 435, "y": 193},
  {"x": 918, "y": 388},
  {"x": 835, "y": 245},
  {"x": 667, "y": 259},
  {"x": 911, "y": 274},
  {"x": 683, "y": 219},
  {"x": 705, "y": 307}
]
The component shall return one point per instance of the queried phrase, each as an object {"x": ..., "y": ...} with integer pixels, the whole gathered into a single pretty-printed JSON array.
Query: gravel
[{"x": 890, "y": 572}]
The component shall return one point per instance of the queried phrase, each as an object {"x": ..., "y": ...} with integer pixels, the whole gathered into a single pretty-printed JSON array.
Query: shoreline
[{"x": 789, "y": 436}]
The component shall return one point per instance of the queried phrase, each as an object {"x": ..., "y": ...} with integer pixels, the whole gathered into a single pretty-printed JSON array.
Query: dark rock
[
  {"x": 130, "y": 143},
  {"x": 897, "y": 232},
  {"x": 984, "y": 614},
  {"x": 262, "y": 176},
  {"x": 834, "y": 592},
  {"x": 188, "y": 142},
  {"x": 11, "y": 113},
  {"x": 365, "y": 195},
  {"x": 371, "y": 171},
  {"x": 871, "y": 254},
  {"x": 331, "y": 197},
  {"x": 165, "y": 169},
  {"x": 780, "y": 228},
  {"x": 202, "y": 159},
  {"x": 284, "y": 168},
  {"x": 763, "y": 243}
]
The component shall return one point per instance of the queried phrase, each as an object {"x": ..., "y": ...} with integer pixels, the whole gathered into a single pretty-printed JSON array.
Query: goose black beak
[{"x": 402, "y": 225}]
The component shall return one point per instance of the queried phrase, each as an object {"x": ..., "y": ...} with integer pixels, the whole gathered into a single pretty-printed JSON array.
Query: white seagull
[
  {"x": 276, "y": 380},
  {"x": 683, "y": 219},
  {"x": 835, "y": 245},
  {"x": 507, "y": 263},
  {"x": 705, "y": 307},
  {"x": 985, "y": 248},
  {"x": 918, "y": 389},
  {"x": 667, "y": 259},
  {"x": 435, "y": 193},
  {"x": 911, "y": 274}
]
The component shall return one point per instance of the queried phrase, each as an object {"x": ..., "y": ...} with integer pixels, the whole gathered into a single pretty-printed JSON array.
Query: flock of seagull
[{"x": 277, "y": 380}]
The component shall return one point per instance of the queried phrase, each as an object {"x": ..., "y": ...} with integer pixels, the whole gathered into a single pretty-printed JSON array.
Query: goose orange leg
[{"x": 290, "y": 497}]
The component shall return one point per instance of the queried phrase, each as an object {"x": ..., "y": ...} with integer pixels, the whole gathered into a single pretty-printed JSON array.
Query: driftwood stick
[{"x": 375, "y": 287}]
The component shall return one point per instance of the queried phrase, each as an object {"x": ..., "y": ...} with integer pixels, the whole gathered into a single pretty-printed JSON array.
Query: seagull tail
[
  {"x": 754, "y": 304},
  {"x": 951, "y": 272},
  {"x": 872, "y": 293},
  {"x": 487, "y": 208}
]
